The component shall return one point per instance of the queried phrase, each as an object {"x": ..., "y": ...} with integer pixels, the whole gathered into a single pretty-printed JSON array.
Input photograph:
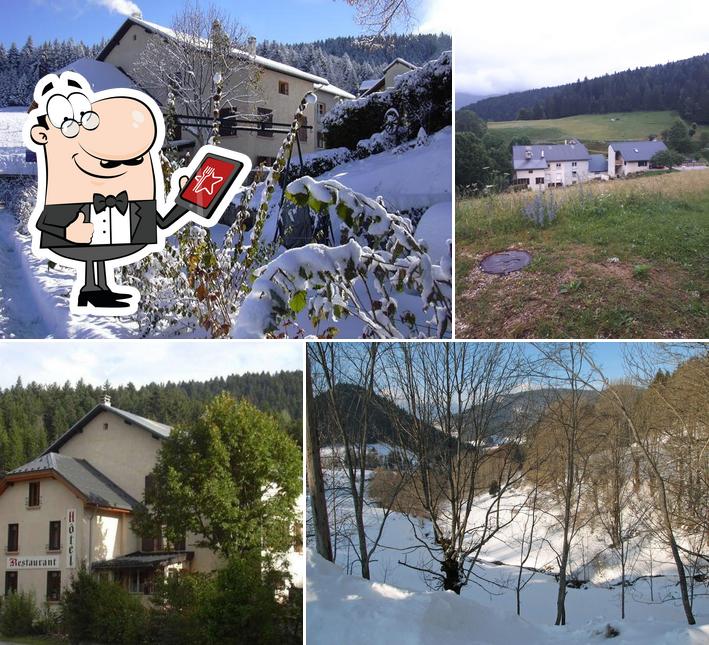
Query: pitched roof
[
  {"x": 638, "y": 150},
  {"x": 401, "y": 61},
  {"x": 332, "y": 89},
  {"x": 100, "y": 75},
  {"x": 598, "y": 163},
  {"x": 166, "y": 31},
  {"x": 95, "y": 487},
  {"x": 158, "y": 430},
  {"x": 552, "y": 152}
]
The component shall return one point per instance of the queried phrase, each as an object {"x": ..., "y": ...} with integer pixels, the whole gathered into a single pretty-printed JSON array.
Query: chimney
[
  {"x": 251, "y": 45},
  {"x": 542, "y": 154},
  {"x": 527, "y": 153},
  {"x": 137, "y": 14},
  {"x": 107, "y": 399}
]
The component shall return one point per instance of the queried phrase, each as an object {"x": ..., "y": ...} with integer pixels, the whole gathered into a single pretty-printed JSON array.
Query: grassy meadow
[
  {"x": 622, "y": 259},
  {"x": 594, "y": 130}
]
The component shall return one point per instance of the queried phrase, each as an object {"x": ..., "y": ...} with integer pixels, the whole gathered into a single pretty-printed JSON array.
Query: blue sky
[
  {"x": 291, "y": 21},
  {"x": 141, "y": 361}
]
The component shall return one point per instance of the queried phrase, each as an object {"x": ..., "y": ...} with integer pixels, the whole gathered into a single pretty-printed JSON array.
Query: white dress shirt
[{"x": 111, "y": 226}]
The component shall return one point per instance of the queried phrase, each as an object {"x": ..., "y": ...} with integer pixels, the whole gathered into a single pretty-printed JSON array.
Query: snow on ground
[
  {"x": 12, "y": 149},
  {"x": 659, "y": 620},
  {"x": 416, "y": 177},
  {"x": 346, "y": 609},
  {"x": 34, "y": 299},
  {"x": 349, "y": 610}
]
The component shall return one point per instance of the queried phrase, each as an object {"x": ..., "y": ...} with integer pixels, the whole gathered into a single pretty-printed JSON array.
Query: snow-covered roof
[
  {"x": 259, "y": 60},
  {"x": 336, "y": 91},
  {"x": 401, "y": 61},
  {"x": 365, "y": 85},
  {"x": 100, "y": 75}
]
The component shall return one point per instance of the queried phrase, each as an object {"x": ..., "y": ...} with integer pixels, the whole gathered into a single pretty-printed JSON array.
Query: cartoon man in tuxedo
[{"x": 100, "y": 202}]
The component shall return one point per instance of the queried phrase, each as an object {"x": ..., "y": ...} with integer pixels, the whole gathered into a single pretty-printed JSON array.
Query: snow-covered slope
[
  {"x": 416, "y": 177},
  {"x": 654, "y": 614},
  {"x": 349, "y": 610}
]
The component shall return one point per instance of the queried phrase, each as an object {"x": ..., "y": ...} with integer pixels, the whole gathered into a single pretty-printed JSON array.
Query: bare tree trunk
[
  {"x": 316, "y": 485},
  {"x": 622, "y": 582}
]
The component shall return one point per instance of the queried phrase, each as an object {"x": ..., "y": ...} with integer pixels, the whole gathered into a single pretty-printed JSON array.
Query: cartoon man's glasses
[{"x": 70, "y": 113}]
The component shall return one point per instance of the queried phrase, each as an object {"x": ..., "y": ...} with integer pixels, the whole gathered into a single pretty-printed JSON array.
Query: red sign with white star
[{"x": 207, "y": 181}]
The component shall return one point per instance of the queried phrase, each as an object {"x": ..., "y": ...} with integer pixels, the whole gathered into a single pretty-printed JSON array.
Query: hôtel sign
[
  {"x": 71, "y": 538},
  {"x": 33, "y": 562}
]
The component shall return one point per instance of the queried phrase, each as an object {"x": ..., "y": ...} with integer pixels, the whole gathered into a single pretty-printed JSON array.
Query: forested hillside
[
  {"x": 21, "y": 68},
  {"x": 682, "y": 86},
  {"x": 345, "y": 61},
  {"x": 33, "y": 415}
]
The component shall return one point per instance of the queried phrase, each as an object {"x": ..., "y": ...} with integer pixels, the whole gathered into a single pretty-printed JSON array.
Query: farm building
[
  {"x": 629, "y": 157},
  {"x": 540, "y": 166},
  {"x": 72, "y": 507}
]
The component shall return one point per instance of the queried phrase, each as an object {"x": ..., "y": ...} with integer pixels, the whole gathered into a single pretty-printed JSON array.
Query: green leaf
[{"x": 297, "y": 302}]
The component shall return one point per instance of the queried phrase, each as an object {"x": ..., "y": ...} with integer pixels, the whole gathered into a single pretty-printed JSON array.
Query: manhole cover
[{"x": 505, "y": 262}]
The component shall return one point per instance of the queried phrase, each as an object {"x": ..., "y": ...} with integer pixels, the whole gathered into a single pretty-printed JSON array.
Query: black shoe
[
  {"x": 103, "y": 299},
  {"x": 119, "y": 296}
]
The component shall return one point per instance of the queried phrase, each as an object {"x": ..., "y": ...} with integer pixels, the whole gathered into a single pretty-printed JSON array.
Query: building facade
[
  {"x": 630, "y": 157},
  {"x": 278, "y": 92},
  {"x": 72, "y": 506},
  {"x": 538, "y": 167}
]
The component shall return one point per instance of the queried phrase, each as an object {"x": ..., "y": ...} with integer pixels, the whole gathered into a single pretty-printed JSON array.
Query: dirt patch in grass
[{"x": 585, "y": 298}]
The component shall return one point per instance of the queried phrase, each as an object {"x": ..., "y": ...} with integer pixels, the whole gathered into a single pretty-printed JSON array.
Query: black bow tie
[{"x": 120, "y": 201}]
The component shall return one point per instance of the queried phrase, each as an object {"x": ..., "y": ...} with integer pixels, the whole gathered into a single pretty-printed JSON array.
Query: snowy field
[
  {"x": 34, "y": 298},
  {"x": 346, "y": 609},
  {"x": 12, "y": 150}
]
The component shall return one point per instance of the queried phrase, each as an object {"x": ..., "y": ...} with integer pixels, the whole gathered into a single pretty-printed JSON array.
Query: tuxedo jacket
[{"x": 144, "y": 222}]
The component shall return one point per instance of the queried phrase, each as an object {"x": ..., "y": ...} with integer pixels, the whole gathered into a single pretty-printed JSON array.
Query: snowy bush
[
  {"x": 196, "y": 285},
  {"x": 361, "y": 278},
  {"x": 421, "y": 98},
  {"x": 318, "y": 163},
  {"x": 20, "y": 196}
]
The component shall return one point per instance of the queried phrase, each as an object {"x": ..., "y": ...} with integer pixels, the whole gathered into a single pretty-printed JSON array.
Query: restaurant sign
[{"x": 33, "y": 562}]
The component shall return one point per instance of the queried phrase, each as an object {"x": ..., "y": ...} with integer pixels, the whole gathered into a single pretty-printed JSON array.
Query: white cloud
[
  {"x": 141, "y": 361},
  {"x": 501, "y": 47},
  {"x": 435, "y": 16},
  {"x": 123, "y": 7}
]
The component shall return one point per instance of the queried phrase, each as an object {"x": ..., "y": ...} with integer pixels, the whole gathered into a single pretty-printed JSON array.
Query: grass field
[
  {"x": 593, "y": 130},
  {"x": 623, "y": 259}
]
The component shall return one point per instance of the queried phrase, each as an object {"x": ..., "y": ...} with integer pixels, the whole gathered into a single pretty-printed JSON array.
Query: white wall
[
  {"x": 56, "y": 499},
  {"x": 124, "y": 453},
  {"x": 532, "y": 176}
]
